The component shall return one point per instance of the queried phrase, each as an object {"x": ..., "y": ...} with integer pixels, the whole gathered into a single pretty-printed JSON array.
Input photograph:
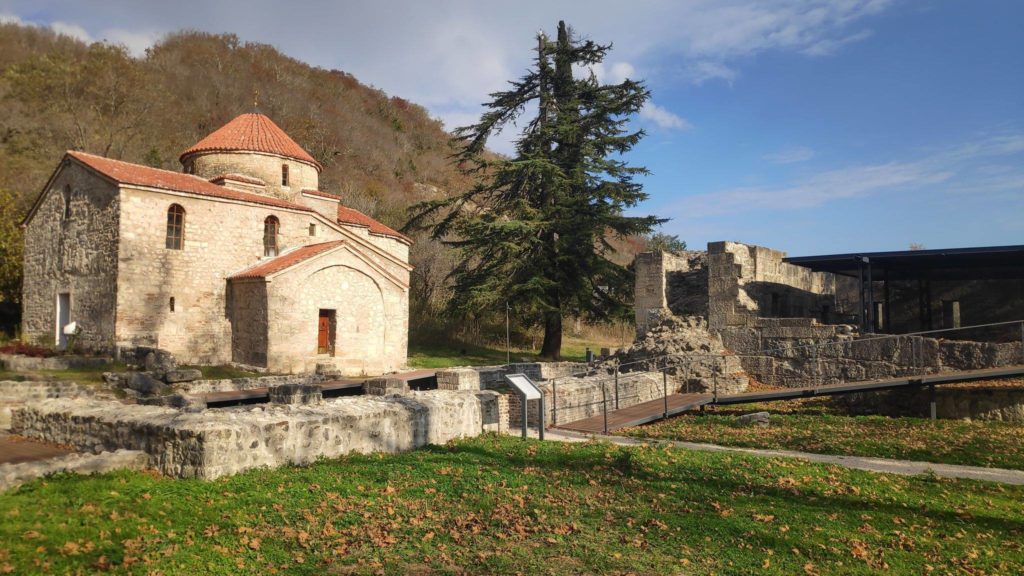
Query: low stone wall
[
  {"x": 12, "y": 475},
  {"x": 235, "y": 384},
  {"x": 215, "y": 443},
  {"x": 19, "y": 363},
  {"x": 571, "y": 399},
  {"x": 17, "y": 393},
  {"x": 491, "y": 377},
  {"x": 999, "y": 404}
]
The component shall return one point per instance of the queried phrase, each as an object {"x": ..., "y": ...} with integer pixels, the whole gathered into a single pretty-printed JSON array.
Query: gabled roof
[
  {"x": 252, "y": 132},
  {"x": 286, "y": 260},
  {"x": 352, "y": 216},
  {"x": 128, "y": 173}
]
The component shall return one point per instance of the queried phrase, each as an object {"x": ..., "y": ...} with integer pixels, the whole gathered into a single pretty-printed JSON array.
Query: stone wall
[
  {"x": 14, "y": 394},
  {"x": 370, "y": 307},
  {"x": 657, "y": 272},
  {"x": 249, "y": 310},
  {"x": 227, "y": 441},
  {"x": 571, "y": 399},
  {"x": 266, "y": 167},
  {"x": 77, "y": 255},
  {"x": 998, "y": 404}
]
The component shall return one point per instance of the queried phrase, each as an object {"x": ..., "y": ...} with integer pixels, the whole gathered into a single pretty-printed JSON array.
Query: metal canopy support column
[
  {"x": 870, "y": 298},
  {"x": 860, "y": 278}
]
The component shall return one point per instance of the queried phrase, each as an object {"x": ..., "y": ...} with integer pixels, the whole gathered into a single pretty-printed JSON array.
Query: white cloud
[
  {"x": 6, "y": 18},
  {"x": 829, "y": 46},
  {"x": 664, "y": 118},
  {"x": 135, "y": 41},
  {"x": 790, "y": 155},
  {"x": 72, "y": 30},
  {"x": 950, "y": 171},
  {"x": 701, "y": 71}
]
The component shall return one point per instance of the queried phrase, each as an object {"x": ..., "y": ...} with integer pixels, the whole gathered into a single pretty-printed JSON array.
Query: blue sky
[{"x": 810, "y": 126}]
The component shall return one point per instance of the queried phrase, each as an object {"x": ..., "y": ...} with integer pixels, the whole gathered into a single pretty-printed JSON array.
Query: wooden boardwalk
[
  {"x": 346, "y": 384},
  {"x": 654, "y": 410}
]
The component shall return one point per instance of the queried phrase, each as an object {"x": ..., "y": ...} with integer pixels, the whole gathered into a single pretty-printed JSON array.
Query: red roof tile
[
  {"x": 128, "y": 173},
  {"x": 321, "y": 193},
  {"x": 352, "y": 216},
  {"x": 286, "y": 260},
  {"x": 252, "y": 132}
]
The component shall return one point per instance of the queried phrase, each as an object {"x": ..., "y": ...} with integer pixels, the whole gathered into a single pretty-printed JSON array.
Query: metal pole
[
  {"x": 554, "y": 402},
  {"x": 525, "y": 412},
  {"x": 616, "y": 388},
  {"x": 871, "y": 300},
  {"x": 664, "y": 386},
  {"x": 931, "y": 399},
  {"x": 540, "y": 425},
  {"x": 508, "y": 339},
  {"x": 604, "y": 405},
  {"x": 1022, "y": 342}
]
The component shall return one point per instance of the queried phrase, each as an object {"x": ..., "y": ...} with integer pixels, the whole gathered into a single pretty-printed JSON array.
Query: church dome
[{"x": 251, "y": 132}]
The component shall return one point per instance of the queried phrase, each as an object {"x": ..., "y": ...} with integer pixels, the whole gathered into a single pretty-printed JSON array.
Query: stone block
[
  {"x": 753, "y": 419},
  {"x": 182, "y": 375},
  {"x": 295, "y": 394},
  {"x": 184, "y": 402},
  {"x": 385, "y": 386},
  {"x": 144, "y": 383},
  {"x": 458, "y": 379}
]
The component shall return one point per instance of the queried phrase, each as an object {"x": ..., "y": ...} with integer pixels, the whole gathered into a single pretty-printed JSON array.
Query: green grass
[
  {"x": 498, "y": 505},
  {"x": 814, "y": 426},
  {"x": 225, "y": 372},
  {"x": 442, "y": 354},
  {"x": 86, "y": 375}
]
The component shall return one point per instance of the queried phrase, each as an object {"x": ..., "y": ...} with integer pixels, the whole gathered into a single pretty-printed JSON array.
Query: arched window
[
  {"x": 284, "y": 174},
  {"x": 270, "y": 229},
  {"x": 175, "y": 227}
]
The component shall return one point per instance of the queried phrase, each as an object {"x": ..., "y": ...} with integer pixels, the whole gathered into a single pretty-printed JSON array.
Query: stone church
[{"x": 238, "y": 258}]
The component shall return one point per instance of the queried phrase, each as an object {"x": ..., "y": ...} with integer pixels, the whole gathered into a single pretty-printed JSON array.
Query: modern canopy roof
[
  {"x": 251, "y": 132},
  {"x": 980, "y": 262}
]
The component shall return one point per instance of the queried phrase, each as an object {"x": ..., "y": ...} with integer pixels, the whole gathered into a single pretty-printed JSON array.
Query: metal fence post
[
  {"x": 616, "y": 388},
  {"x": 664, "y": 386},
  {"x": 931, "y": 400},
  {"x": 604, "y": 404},
  {"x": 554, "y": 402}
]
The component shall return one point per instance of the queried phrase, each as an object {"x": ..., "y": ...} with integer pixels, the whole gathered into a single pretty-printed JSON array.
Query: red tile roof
[
  {"x": 352, "y": 216},
  {"x": 286, "y": 260},
  {"x": 128, "y": 173},
  {"x": 252, "y": 132}
]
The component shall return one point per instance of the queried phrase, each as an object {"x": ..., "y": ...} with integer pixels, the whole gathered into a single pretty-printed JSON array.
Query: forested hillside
[{"x": 381, "y": 153}]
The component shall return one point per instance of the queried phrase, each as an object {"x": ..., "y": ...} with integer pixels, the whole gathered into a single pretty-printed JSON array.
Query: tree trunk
[{"x": 551, "y": 349}]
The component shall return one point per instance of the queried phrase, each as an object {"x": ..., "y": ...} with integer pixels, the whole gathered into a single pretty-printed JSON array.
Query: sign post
[{"x": 528, "y": 391}]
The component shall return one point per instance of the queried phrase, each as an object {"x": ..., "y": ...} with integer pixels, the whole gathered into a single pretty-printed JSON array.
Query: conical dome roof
[{"x": 251, "y": 132}]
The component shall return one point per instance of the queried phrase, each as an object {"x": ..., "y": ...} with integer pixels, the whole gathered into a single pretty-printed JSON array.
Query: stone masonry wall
[
  {"x": 221, "y": 239},
  {"x": 227, "y": 441},
  {"x": 248, "y": 314},
  {"x": 651, "y": 284},
  {"x": 266, "y": 167},
  {"x": 572, "y": 399},
  {"x": 371, "y": 320},
  {"x": 77, "y": 255}
]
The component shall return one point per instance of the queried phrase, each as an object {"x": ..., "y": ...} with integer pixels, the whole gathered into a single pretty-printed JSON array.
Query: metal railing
[{"x": 686, "y": 360}]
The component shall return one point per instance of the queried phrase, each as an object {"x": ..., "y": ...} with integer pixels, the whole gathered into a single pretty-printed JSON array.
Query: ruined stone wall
[
  {"x": 663, "y": 277},
  {"x": 227, "y": 441},
  {"x": 266, "y": 167},
  {"x": 371, "y": 321},
  {"x": 571, "y": 399},
  {"x": 77, "y": 255},
  {"x": 748, "y": 282}
]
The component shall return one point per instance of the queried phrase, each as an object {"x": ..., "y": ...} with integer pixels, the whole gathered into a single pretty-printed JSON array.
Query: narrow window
[
  {"x": 190, "y": 168},
  {"x": 284, "y": 175},
  {"x": 312, "y": 229},
  {"x": 67, "y": 202},
  {"x": 270, "y": 230},
  {"x": 175, "y": 227},
  {"x": 170, "y": 304}
]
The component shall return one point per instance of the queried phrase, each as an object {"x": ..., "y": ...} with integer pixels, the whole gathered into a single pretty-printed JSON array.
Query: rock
[
  {"x": 159, "y": 361},
  {"x": 183, "y": 402},
  {"x": 753, "y": 419},
  {"x": 146, "y": 384},
  {"x": 182, "y": 375},
  {"x": 295, "y": 394},
  {"x": 385, "y": 386}
]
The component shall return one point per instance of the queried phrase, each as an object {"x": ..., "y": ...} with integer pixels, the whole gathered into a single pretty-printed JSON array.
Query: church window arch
[
  {"x": 175, "y": 227},
  {"x": 271, "y": 229}
]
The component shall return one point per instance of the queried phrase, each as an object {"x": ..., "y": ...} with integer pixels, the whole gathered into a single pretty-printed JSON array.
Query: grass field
[
  {"x": 441, "y": 354},
  {"x": 814, "y": 426},
  {"x": 500, "y": 505}
]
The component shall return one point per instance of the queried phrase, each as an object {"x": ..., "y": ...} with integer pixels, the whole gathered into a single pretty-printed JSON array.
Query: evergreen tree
[{"x": 534, "y": 230}]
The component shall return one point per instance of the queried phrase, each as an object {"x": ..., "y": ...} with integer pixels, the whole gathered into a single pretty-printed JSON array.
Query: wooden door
[{"x": 323, "y": 337}]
